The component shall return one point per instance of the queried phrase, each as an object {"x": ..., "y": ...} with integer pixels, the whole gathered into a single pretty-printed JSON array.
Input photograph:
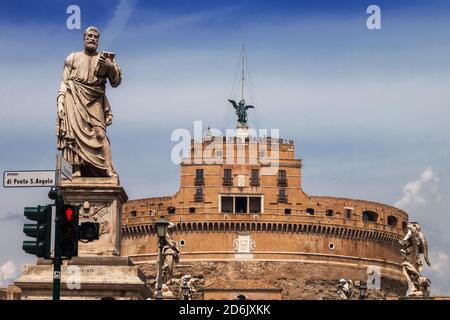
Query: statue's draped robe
[
  {"x": 82, "y": 132},
  {"x": 170, "y": 257}
]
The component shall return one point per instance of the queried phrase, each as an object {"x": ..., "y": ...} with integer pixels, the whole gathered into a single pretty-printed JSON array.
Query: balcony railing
[
  {"x": 282, "y": 183},
  {"x": 198, "y": 198},
  {"x": 227, "y": 181},
  {"x": 199, "y": 181},
  {"x": 282, "y": 199},
  {"x": 255, "y": 182}
]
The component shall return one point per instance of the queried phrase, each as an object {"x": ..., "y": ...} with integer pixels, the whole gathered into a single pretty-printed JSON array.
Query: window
[
  {"x": 227, "y": 174},
  {"x": 227, "y": 177},
  {"x": 310, "y": 211},
  {"x": 199, "y": 194},
  {"x": 282, "y": 181},
  {"x": 255, "y": 177},
  {"x": 199, "y": 174},
  {"x": 199, "y": 180},
  {"x": 255, "y": 174},
  {"x": 392, "y": 221},
  {"x": 240, "y": 205},
  {"x": 133, "y": 213},
  {"x": 287, "y": 211},
  {"x": 404, "y": 225},
  {"x": 191, "y": 210},
  {"x": 370, "y": 216},
  {"x": 348, "y": 213},
  {"x": 282, "y": 198},
  {"x": 226, "y": 204},
  {"x": 255, "y": 204},
  {"x": 171, "y": 210},
  {"x": 262, "y": 154},
  {"x": 329, "y": 213}
]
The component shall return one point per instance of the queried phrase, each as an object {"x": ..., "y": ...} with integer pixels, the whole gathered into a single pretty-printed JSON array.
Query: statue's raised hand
[{"x": 106, "y": 62}]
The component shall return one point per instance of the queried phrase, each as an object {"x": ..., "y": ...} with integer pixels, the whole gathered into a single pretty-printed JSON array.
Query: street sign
[
  {"x": 31, "y": 178},
  {"x": 64, "y": 167}
]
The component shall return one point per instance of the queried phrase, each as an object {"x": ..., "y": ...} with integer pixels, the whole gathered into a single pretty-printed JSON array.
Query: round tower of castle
[{"x": 242, "y": 219}]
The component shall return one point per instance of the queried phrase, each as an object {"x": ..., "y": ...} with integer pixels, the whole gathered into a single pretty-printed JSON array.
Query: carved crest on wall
[
  {"x": 94, "y": 211},
  {"x": 244, "y": 246}
]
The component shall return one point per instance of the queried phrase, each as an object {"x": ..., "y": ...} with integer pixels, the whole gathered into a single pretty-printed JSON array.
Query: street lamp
[
  {"x": 161, "y": 230},
  {"x": 362, "y": 290},
  {"x": 161, "y": 227}
]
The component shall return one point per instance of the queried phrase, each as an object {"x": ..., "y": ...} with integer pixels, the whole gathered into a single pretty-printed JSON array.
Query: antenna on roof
[{"x": 242, "y": 70}]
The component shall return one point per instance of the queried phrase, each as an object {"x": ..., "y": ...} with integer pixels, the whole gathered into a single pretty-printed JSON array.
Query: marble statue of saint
[
  {"x": 171, "y": 255},
  {"x": 83, "y": 109},
  {"x": 414, "y": 246}
]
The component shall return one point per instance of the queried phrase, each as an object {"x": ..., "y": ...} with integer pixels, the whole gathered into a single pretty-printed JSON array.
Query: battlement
[{"x": 235, "y": 139}]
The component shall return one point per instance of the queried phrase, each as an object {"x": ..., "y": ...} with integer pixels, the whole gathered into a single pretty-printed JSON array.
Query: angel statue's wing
[
  {"x": 249, "y": 107},
  {"x": 425, "y": 248},
  {"x": 233, "y": 103}
]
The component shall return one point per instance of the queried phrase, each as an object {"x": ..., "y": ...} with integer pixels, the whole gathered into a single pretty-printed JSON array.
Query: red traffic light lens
[{"x": 69, "y": 214}]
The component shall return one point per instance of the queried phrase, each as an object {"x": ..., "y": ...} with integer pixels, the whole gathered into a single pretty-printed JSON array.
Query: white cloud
[
  {"x": 438, "y": 273},
  {"x": 118, "y": 22},
  {"x": 418, "y": 191},
  {"x": 439, "y": 262},
  {"x": 8, "y": 272}
]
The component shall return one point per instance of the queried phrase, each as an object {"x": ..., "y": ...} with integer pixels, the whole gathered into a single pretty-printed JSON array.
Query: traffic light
[
  {"x": 41, "y": 231},
  {"x": 69, "y": 233}
]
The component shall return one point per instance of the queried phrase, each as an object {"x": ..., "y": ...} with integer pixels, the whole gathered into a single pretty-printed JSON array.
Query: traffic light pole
[
  {"x": 56, "y": 278},
  {"x": 59, "y": 202}
]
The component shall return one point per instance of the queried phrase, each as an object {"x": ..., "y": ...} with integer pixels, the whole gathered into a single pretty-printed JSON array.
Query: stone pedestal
[
  {"x": 241, "y": 131},
  {"x": 100, "y": 200},
  {"x": 98, "y": 271},
  {"x": 86, "y": 278}
]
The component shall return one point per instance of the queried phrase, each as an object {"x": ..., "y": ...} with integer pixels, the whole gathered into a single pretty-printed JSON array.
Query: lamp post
[
  {"x": 362, "y": 290},
  {"x": 161, "y": 230}
]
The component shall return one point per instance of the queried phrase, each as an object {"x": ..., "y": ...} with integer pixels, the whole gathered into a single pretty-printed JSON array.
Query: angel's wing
[
  {"x": 425, "y": 248},
  {"x": 233, "y": 103},
  {"x": 249, "y": 107}
]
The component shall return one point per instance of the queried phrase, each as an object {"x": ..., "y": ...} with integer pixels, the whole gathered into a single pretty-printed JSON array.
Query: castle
[{"x": 247, "y": 229}]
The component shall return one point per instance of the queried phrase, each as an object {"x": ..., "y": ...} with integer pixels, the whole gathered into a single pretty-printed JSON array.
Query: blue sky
[{"x": 368, "y": 109}]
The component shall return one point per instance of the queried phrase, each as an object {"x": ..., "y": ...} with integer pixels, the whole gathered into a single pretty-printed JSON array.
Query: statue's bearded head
[{"x": 91, "y": 36}]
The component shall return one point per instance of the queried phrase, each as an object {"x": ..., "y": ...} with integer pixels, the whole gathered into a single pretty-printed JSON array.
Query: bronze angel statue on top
[{"x": 241, "y": 110}]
